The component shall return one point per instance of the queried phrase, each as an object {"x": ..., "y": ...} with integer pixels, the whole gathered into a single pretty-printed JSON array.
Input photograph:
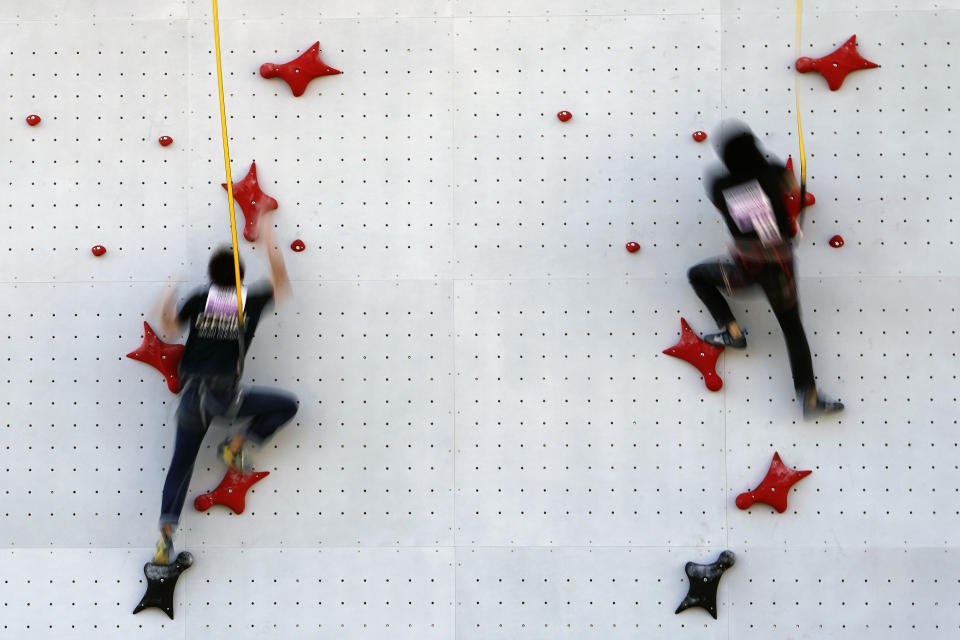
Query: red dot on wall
[
  {"x": 836, "y": 242},
  {"x": 33, "y": 120},
  {"x": 98, "y": 250},
  {"x": 165, "y": 141},
  {"x": 563, "y": 116},
  {"x": 633, "y": 247},
  {"x": 297, "y": 245},
  {"x": 699, "y": 136}
]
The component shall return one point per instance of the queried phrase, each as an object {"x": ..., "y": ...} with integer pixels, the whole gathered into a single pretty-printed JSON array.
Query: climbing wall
[{"x": 490, "y": 442}]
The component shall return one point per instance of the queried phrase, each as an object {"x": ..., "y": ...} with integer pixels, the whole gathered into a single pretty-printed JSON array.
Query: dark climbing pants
[
  {"x": 201, "y": 401},
  {"x": 778, "y": 285}
]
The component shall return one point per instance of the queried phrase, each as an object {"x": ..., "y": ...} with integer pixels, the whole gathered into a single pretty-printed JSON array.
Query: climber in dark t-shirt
[
  {"x": 210, "y": 371},
  {"x": 213, "y": 346},
  {"x": 751, "y": 195}
]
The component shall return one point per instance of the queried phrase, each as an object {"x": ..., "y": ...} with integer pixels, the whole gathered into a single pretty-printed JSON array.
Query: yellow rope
[
  {"x": 798, "y": 22},
  {"x": 226, "y": 162}
]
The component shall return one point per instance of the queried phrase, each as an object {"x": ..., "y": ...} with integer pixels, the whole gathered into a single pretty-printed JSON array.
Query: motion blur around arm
[
  {"x": 278, "y": 270},
  {"x": 169, "y": 326}
]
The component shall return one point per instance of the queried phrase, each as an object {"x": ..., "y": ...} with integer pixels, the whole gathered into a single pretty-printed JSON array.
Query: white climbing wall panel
[{"x": 490, "y": 442}]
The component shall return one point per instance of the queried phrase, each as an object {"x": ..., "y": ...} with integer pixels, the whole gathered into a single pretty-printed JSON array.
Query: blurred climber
[
  {"x": 210, "y": 371},
  {"x": 751, "y": 196}
]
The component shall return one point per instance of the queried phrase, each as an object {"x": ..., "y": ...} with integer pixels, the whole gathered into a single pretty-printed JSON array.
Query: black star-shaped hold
[
  {"x": 704, "y": 580},
  {"x": 161, "y": 581}
]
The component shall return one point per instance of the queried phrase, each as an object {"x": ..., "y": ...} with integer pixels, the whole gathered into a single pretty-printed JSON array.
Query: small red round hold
[
  {"x": 699, "y": 136},
  {"x": 563, "y": 116},
  {"x": 633, "y": 247},
  {"x": 297, "y": 245},
  {"x": 98, "y": 250},
  {"x": 33, "y": 120},
  {"x": 165, "y": 141},
  {"x": 836, "y": 242}
]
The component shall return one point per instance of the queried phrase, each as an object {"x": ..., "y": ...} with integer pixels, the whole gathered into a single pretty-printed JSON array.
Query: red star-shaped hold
[
  {"x": 301, "y": 70},
  {"x": 793, "y": 199},
  {"x": 253, "y": 202},
  {"x": 160, "y": 355},
  {"x": 774, "y": 488},
  {"x": 700, "y": 354},
  {"x": 838, "y": 64},
  {"x": 232, "y": 490}
]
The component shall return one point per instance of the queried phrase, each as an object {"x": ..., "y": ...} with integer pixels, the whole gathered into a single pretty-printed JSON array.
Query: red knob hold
[
  {"x": 699, "y": 136},
  {"x": 836, "y": 242},
  {"x": 33, "y": 120},
  {"x": 165, "y": 141},
  {"x": 98, "y": 250},
  {"x": 563, "y": 116},
  {"x": 297, "y": 245},
  {"x": 633, "y": 247}
]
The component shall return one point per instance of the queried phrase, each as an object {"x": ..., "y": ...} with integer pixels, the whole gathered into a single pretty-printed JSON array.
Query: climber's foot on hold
[
  {"x": 233, "y": 454},
  {"x": 816, "y": 405},
  {"x": 731, "y": 337},
  {"x": 164, "y": 547}
]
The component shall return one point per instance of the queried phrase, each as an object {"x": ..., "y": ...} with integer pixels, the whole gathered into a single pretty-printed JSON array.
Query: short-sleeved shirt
[
  {"x": 213, "y": 342},
  {"x": 753, "y": 205}
]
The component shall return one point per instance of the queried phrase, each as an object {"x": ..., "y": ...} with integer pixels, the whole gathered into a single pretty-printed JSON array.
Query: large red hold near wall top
[
  {"x": 835, "y": 67},
  {"x": 301, "y": 70}
]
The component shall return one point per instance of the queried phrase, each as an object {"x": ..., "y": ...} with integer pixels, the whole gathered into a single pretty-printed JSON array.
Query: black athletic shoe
[
  {"x": 823, "y": 407},
  {"x": 724, "y": 339}
]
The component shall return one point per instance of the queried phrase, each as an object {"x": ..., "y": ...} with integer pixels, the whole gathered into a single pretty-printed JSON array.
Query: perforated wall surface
[{"x": 490, "y": 442}]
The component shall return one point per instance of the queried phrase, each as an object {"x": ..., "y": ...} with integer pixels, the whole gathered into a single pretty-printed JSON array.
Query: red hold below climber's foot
[
  {"x": 232, "y": 490},
  {"x": 700, "y": 354},
  {"x": 774, "y": 488}
]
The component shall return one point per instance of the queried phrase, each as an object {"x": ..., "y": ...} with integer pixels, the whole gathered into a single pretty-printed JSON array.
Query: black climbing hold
[
  {"x": 704, "y": 580},
  {"x": 161, "y": 581}
]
